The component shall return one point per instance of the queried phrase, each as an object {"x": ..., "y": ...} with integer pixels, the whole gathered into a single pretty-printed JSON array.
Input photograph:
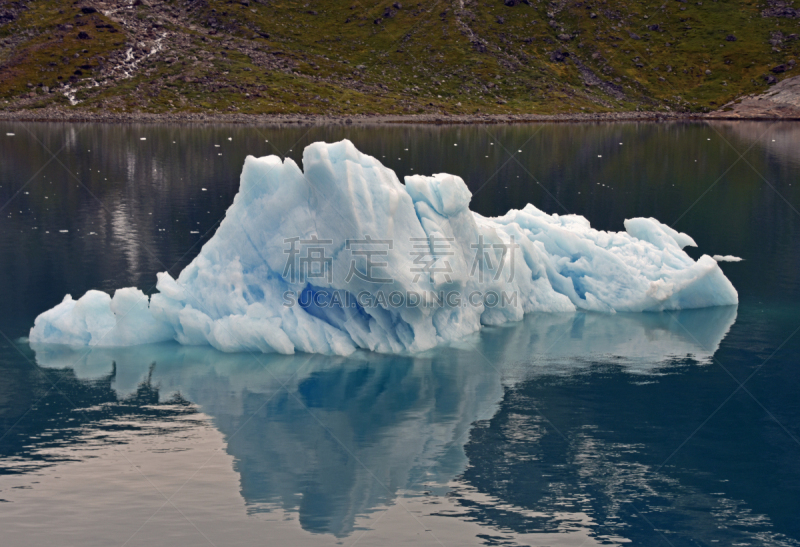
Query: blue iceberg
[{"x": 342, "y": 255}]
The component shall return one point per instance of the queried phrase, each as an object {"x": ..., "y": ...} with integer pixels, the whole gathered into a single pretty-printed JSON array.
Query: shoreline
[{"x": 81, "y": 116}]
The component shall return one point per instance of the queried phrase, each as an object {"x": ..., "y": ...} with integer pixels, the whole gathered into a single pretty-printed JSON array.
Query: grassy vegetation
[{"x": 351, "y": 56}]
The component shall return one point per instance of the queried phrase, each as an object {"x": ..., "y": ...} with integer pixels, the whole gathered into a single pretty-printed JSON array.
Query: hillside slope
[{"x": 363, "y": 56}]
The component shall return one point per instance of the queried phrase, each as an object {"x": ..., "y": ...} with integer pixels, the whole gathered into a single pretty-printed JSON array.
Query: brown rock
[{"x": 782, "y": 101}]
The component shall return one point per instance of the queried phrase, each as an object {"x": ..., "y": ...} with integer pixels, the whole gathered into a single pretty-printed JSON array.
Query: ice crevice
[{"x": 236, "y": 295}]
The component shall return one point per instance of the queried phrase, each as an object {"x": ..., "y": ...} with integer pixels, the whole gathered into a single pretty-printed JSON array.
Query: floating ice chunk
[
  {"x": 398, "y": 267},
  {"x": 727, "y": 258}
]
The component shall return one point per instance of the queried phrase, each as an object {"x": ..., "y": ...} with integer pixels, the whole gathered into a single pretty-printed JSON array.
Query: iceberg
[{"x": 341, "y": 255}]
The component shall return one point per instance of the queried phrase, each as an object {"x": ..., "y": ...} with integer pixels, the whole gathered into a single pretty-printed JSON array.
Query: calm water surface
[{"x": 564, "y": 429}]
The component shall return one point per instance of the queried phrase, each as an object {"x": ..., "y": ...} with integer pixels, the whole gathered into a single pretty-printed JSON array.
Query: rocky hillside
[{"x": 367, "y": 56}]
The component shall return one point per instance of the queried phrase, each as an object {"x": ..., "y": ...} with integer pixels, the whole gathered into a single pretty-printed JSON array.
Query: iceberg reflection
[{"x": 334, "y": 438}]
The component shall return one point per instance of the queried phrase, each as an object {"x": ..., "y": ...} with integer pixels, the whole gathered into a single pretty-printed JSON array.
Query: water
[{"x": 576, "y": 429}]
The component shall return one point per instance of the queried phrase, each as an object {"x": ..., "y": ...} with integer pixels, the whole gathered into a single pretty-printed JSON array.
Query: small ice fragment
[
  {"x": 219, "y": 154},
  {"x": 599, "y": 156},
  {"x": 9, "y": 134},
  {"x": 92, "y": 233},
  {"x": 142, "y": 138},
  {"x": 203, "y": 190},
  {"x": 63, "y": 231},
  {"x": 455, "y": 144},
  {"x": 194, "y": 232},
  {"x": 216, "y": 146},
  {"x": 26, "y": 193},
  {"x": 230, "y": 138},
  {"x": 520, "y": 151},
  {"x": 727, "y": 258}
]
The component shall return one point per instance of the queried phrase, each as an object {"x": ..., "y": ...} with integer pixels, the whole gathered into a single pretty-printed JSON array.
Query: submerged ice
[{"x": 343, "y": 256}]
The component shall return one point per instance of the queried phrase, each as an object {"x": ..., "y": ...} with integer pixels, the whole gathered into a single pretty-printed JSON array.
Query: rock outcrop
[{"x": 782, "y": 101}]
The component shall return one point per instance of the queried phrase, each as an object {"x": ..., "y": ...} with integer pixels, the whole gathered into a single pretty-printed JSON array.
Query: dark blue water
[{"x": 675, "y": 429}]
